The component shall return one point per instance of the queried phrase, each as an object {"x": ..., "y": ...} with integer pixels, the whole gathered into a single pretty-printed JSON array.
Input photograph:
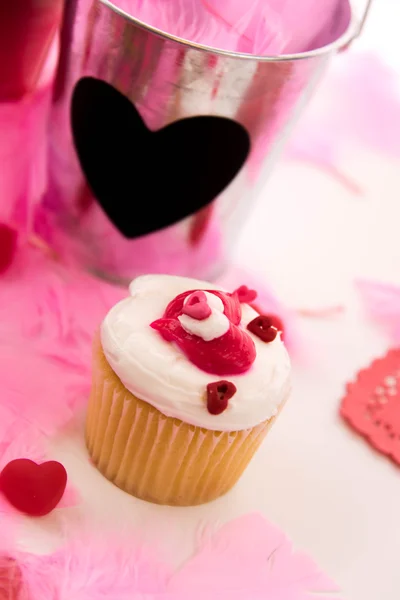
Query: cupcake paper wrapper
[{"x": 159, "y": 458}]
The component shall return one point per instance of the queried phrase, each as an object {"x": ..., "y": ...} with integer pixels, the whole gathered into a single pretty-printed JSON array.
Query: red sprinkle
[
  {"x": 197, "y": 306},
  {"x": 8, "y": 246},
  {"x": 275, "y": 321},
  {"x": 218, "y": 395},
  {"x": 245, "y": 295},
  {"x": 264, "y": 328}
]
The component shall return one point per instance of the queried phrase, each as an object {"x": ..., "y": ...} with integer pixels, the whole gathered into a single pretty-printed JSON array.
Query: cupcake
[{"x": 187, "y": 380}]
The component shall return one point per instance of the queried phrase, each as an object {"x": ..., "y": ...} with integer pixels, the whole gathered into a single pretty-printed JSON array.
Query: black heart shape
[{"x": 146, "y": 180}]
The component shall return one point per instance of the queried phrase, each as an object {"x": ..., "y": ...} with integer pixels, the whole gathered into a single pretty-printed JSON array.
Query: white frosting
[
  {"x": 216, "y": 325},
  {"x": 159, "y": 373}
]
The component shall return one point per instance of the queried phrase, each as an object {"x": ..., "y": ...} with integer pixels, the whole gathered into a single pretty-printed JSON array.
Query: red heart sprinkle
[
  {"x": 264, "y": 328},
  {"x": 31, "y": 488},
  {"x": 8, "y": 246},
  {"x": 196, "y": 306},
  {"x": 218, "y": 394},
  {"x": 275, "y": 322},
  {"x": 245, "y": 295}
]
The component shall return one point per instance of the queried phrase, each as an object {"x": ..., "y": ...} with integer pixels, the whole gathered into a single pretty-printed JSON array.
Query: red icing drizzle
[{"x": 231, "y": 354}]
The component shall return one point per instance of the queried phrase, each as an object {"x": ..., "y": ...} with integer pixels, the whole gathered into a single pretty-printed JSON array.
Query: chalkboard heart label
[{"x": 147, "y": 180}]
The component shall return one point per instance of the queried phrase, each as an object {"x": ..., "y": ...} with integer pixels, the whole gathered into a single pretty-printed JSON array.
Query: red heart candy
[
  {"x": 372, "y": 404},
  {"x": 245, "y": 295},
  {"x": 264, "y": 328},
  {"x": 196, "y": 306},
  {"x": 218, "y": 395},
  {"x": 31, "y": 488}
]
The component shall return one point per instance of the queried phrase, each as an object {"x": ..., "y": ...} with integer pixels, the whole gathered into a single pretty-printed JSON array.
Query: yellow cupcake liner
[{"x": 158, "y": 458}]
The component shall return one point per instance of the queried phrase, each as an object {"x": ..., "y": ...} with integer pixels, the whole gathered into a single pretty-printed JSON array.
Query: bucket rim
[{"x": 342, "y": 41}]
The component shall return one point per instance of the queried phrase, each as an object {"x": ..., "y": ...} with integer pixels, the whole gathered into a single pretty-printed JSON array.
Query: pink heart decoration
[
  {"x": 245, "y": 294},
  {"x": 197, "y": 306}
]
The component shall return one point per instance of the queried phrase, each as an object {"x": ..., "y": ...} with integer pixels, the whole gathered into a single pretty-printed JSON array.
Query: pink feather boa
[{"x": 248, "y": 557}]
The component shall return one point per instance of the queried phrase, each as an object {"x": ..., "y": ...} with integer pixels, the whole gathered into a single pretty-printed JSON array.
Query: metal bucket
[{"x": 157, "y": 146}]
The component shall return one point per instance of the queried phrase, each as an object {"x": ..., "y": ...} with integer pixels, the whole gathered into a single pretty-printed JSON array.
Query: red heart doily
[{"x": 372, "y": 404}]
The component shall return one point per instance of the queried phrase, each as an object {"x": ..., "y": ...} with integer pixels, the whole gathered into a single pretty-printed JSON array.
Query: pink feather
[
  {"x": 246, "y": 558},
  {"x": 382, "y": 303},
  {"x": 250, "y": 558},
  {"x": 358, "y": 101},
  {"x": 96, "y": 568}
]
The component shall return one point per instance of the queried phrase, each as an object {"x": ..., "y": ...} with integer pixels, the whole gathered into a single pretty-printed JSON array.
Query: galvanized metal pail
[{"x": 157, "y": 146}]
